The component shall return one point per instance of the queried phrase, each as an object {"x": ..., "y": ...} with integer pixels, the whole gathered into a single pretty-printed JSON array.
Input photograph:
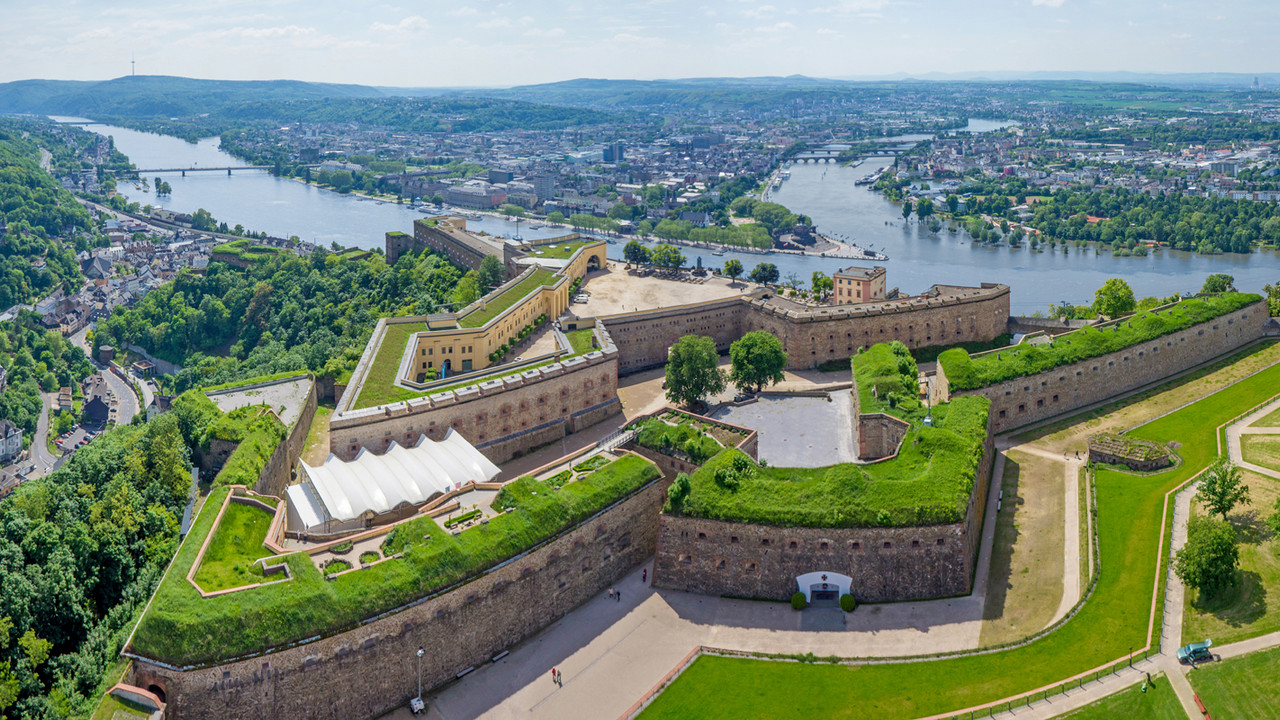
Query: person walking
[
  {"x": 554, "y": 676},
  {"x": 617, "y": 594},
  {"x": 644, "y": 575},
  {"x": 559, "y": 678},
  {"x": 610, "y": 592}
]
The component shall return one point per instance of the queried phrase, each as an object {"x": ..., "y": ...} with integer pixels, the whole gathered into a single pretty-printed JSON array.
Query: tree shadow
[
  {"x": 999, "y": 579},
  {"x": 1237, "y": 606}
]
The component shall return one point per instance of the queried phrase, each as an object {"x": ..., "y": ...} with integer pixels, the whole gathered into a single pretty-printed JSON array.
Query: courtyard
[
  {"x": 799, "y": 430},
  {"x": 618, "y": 290}
]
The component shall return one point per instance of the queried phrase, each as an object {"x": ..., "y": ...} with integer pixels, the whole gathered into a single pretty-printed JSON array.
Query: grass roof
[
  {"x": 966, "y": 373},
  {"x": 498, "y": 305}
]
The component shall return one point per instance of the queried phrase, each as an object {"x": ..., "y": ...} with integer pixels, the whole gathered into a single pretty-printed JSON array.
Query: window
[
  {"x": 734, "y": 540},
  {"x": 1002, "y": 413},
  {"x": 941, "y": 542},
  {"x": 888, "y": 545},
  {"x": 764, "y": 542}
]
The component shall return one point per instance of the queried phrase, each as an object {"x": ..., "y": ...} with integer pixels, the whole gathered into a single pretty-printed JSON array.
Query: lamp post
[{"x": 420, "y": 653}]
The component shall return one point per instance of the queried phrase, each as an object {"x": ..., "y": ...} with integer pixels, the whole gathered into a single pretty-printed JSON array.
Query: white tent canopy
[{"x": 377, "y": 484}]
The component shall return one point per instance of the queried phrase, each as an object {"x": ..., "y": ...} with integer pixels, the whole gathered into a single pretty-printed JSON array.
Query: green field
[
  {"x": 1271, "y": 419},
  {"x": 1159, "y": 702},
  {"x": 580, "y": 340},
  {"x": 509, "y": 297},
  {"x": 1261, "y": 450},
  {"x": 1242, "y": 687},
  {"x": 236, "y": 544},
  {"x": 182, "y": 628},
  {"x": 1115, "y": 618}
]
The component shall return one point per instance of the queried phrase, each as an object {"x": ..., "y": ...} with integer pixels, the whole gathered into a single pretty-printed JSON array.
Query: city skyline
[{"x": 502, "y": 44}]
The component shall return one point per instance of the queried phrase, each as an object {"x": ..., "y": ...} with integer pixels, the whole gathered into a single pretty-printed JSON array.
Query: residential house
[{"x": 10, "y": 441}]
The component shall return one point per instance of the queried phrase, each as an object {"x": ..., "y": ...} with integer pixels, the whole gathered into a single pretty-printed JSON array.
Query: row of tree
[{"x": 693, "y": 373}]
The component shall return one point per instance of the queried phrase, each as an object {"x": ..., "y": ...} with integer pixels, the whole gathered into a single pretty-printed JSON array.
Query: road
[
  {"x": 126, "y": 401},
  {"x": 40, "y": 455}
]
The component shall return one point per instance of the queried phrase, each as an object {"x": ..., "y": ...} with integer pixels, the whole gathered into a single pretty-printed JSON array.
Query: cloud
[
  {"x": 464, "y": 10},
  {"x": 271, "y": 32},
  {"x": 1048, "y": 3},
  {"x": 776, "y": 27},
  {"x": 760, "y": 13},
  {"x": 408, "y": 24},
  {"x": 1181, "y": 36},
  {"x": 548, "y": 33}
]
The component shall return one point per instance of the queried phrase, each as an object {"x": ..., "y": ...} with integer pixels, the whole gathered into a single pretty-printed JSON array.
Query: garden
[
  {"x": 1114, "y": 619},
  {"x": 237, "y": 544}
]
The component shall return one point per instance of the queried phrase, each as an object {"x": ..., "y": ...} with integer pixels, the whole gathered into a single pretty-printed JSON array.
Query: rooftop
[{"x": 615, "y": 291}]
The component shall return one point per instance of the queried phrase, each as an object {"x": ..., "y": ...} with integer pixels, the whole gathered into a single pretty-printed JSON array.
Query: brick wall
[
  {"x": 278, "y": 470},
  {"x": 372, "y": 669},
  {"x": 1030, "y": 399}
]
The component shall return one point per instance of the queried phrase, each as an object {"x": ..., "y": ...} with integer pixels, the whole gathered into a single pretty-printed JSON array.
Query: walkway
[{"x": 1242, "y": 427}]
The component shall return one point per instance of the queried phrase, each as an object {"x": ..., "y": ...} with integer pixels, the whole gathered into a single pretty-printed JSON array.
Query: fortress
[{"x": 291, "y": 652}]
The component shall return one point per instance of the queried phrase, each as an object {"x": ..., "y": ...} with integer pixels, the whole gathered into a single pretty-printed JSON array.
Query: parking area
[{"x": 75, "y": 438}]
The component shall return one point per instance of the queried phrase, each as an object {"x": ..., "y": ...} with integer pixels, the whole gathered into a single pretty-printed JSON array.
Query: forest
[
  {"x": 281, "y": 314},
  {"x": 1184, "y": 222},
  {"x": 36, "y": 360},
  {"x": 34, "y": 211},
  {"x": 80, "y": 552}
]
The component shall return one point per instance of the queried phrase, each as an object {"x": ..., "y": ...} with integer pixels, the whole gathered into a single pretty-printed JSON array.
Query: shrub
[
  {"x": 798, "y": 602},
  {"x": 678, "y": 491},
  {"x": 336, "y": 566},
  {"x": 369, "y": 557},
  {"x": 847, "y": 603},
  {"x": 341, "y": 548}
]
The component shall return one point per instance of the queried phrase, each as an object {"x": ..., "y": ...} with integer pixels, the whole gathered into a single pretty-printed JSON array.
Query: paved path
[{"x": 1242, "y": 428}]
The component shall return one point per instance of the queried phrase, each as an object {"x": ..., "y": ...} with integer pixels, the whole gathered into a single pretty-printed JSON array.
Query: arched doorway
[
  {"x": 823, "y": 585},
  {"x": 444, "y": 369},
  {"x": 157, "y": 691},
  {"x": 593, "y": 263}
]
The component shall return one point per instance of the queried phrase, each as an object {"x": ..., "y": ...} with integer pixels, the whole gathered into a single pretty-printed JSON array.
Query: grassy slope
[
  {"x": 1159, "y": 702},
  {"x": 237, "y": 542},
  {"x": 1113, "y": 620},
  {"x": 379, "y": 383},
  {"x": 1241, "y": 687},
  {"x": 182, "y": 628}
]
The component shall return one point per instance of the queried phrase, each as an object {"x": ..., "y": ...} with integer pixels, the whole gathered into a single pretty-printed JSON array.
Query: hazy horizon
[{"x": 500, "y": 44}]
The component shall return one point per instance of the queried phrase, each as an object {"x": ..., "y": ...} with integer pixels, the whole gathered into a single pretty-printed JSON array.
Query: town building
[{"x": 859, "y": 285}]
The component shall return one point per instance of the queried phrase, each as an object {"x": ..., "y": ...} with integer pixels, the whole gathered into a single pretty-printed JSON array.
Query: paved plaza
[
  {"x": 617, "y": 290},
  {"x": 799, "y": 431}
]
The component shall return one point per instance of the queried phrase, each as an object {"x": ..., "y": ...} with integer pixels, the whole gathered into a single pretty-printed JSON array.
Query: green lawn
[
  {"x": 1252, "y": 607},
  {"x": 1261, "y": 450},
  {"x": 379, "y": 381},
  {"x": 511, "y": 296},
  {"x": 236, "y": 544},
  {"x": 113, "y": 708},
  {"x": 182, "y": 628},
  {"x": 1159, "y": 702},
  {"x": 1114, "y": 619},
  {"x": 1241, "y": 687}
]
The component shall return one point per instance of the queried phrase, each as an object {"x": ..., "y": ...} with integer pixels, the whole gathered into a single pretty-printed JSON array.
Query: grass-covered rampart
[
  {"x": 966, "y": 373},
  {"x": 181, "y": 628}
]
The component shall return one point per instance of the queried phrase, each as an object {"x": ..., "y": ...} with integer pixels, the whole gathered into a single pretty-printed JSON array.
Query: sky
[{"x": 482, "y": 43}]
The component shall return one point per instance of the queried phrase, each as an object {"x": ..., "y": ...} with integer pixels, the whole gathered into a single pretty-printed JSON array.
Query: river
[{"x": 823, "y": 191}]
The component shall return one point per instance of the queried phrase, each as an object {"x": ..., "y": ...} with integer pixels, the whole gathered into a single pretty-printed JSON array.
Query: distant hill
[{"x": 160, "y": 95}]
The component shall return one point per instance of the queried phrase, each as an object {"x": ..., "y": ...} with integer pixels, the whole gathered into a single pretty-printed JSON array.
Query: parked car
[{"x": 1195, "y": 652}]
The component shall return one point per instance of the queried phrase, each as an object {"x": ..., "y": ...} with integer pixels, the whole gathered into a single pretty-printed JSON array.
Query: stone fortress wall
[
  {"x": 371, "y": 669},
  {"x": 1026, "y": 400},
  {"x": 813, "y": 336},
  {"x": 890, "y": 564}
]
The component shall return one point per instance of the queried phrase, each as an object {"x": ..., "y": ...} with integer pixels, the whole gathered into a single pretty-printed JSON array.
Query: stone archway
[{"x": 825, "y": 584}]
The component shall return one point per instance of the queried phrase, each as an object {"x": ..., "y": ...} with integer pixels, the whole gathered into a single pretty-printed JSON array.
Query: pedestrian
[
  {"x": 553, "y": 675},
  {"x": 610, "y": 592},
  {"x": 559, "y": 678},
  {"x": 644, "y": 575},
  {"x": 618, "y": 595}
]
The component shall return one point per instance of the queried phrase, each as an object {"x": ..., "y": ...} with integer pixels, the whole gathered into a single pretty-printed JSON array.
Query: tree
[
  {"x": 821, "y": 284},
  {"x": 906, "y": 209},
  {"x": 1221, "y": 489},
  {"x": 1115, "y": 297},
  {"x": 490, "y": 273},
  {"x": 924, "y": 208},
  {"x": 666, "y": 255},
  {"x": 556, "y": 217},
  {"x": 765, "y": 273},
  {"x": 691, "y": 370},
  {"x": 634, "y": 252},
  {"x": 953, "y": 204},
  {"x": 733, "y": 268},
  {"x": 1219, "y": 283},
  {"x": 512, "y": 211},
  {"x": 1209, "y": 559},
  {"x": 757, "y": 360}
]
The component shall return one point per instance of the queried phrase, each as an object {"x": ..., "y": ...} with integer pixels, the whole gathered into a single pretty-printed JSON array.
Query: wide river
[{"x": 823, "y": 191}]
